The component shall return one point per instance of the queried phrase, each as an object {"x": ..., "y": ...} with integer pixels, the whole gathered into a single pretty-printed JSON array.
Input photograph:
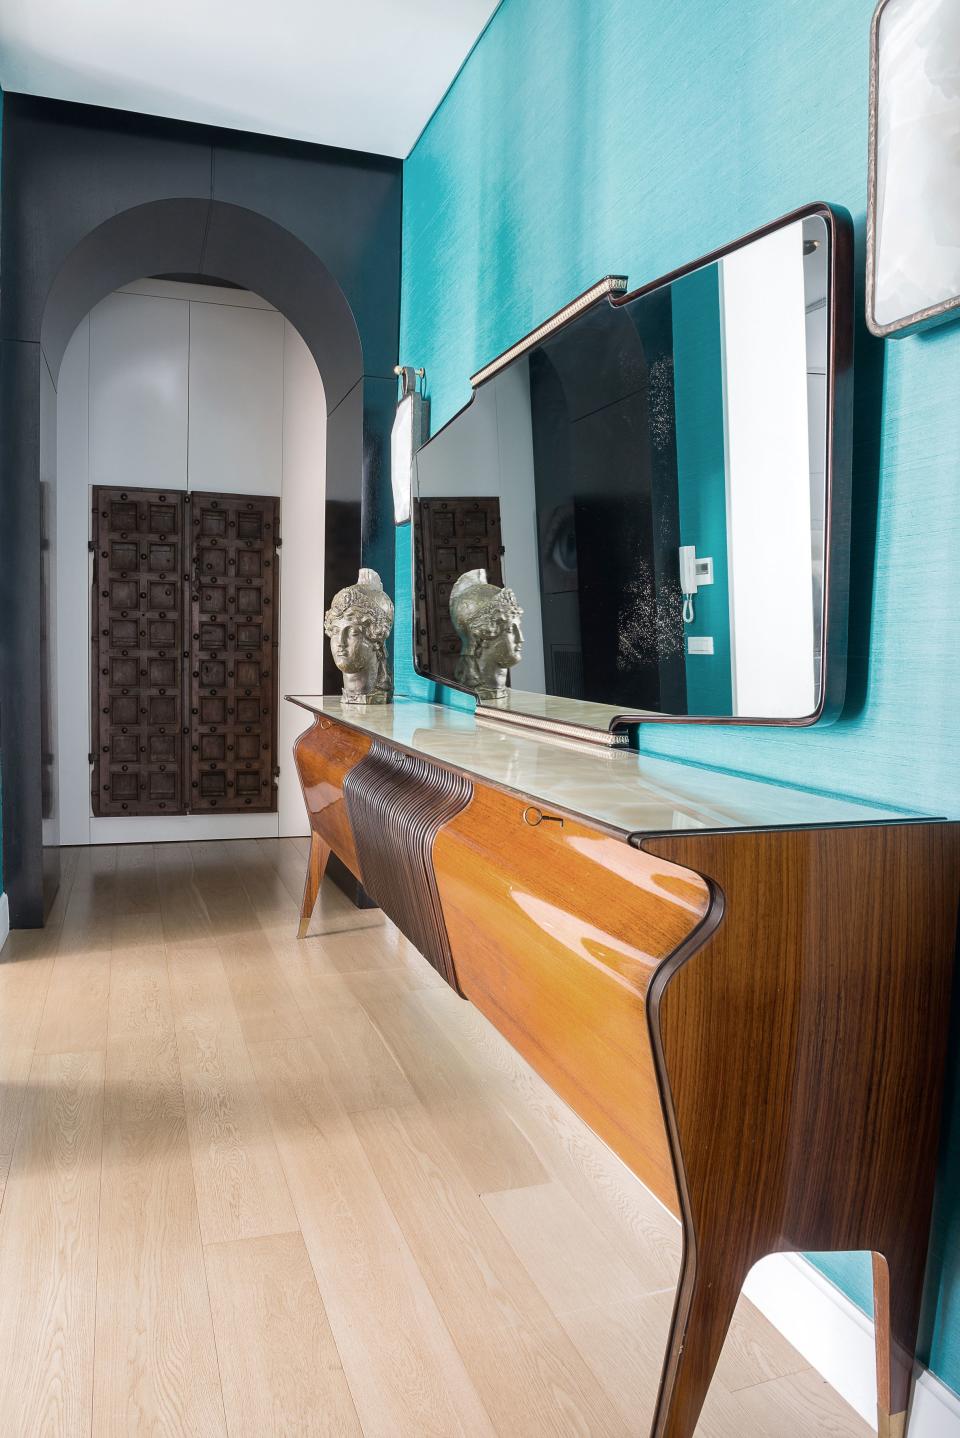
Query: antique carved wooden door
[
  {"x": 138, "y": 651},
  {"x": 184, "y": 646},
  {"x": 234, "y": 634}
]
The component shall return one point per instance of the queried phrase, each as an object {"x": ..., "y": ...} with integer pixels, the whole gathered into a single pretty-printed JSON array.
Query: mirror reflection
[{"x": 649, "y": 482}]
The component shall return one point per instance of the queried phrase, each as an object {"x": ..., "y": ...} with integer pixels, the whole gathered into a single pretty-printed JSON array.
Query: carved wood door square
[{"x": 185, "y": 640}]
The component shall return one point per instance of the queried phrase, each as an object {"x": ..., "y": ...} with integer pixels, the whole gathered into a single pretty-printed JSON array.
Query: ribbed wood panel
[{"x": 397, "y": 804}]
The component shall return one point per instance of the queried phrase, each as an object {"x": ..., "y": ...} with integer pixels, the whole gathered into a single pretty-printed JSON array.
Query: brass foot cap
[{"x": 891, "y": 1425}]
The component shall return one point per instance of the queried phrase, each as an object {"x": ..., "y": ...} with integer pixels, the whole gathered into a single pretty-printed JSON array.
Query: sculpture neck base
[{"x": 375, "y": 696}]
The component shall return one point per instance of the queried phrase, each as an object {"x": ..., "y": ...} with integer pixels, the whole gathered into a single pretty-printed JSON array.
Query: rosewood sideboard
[{"x": 742, "y": 987}]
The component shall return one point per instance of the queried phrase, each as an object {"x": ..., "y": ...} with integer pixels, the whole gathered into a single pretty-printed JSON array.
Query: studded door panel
[
  {"x": 138, "y": 652},
  {"x": 234, "y": 645}
]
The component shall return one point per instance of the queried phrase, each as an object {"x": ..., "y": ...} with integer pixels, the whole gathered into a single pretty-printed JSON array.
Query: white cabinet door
[
  {"x": 236, "y": 399},
  {"x": 138, "y": 392}
]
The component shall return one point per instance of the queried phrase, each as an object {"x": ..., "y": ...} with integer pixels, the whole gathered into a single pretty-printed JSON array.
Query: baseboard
[
  {"x": 4, "y": 919},
  {"x": 935, "y": 1410},
  {"x": 837, "y": 1340},
  {"x": 194, "y": 828}
]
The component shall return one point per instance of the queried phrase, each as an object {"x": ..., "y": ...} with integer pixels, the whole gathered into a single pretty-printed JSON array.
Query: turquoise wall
[{"x": 582, "y": 139}]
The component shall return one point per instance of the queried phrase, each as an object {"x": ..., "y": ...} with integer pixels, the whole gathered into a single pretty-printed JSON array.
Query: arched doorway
[
  {"x": 201, "y": 403},
  {"x": 46, "y": 293},
  {"x": 209, "y": 237}
]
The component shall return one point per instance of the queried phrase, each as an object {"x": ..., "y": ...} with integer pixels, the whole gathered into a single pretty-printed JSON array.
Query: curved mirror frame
[{"x": 609, "y": 721}]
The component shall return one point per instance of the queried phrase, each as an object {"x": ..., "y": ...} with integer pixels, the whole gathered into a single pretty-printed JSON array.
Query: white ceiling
[{"x": 361, "y": 74}]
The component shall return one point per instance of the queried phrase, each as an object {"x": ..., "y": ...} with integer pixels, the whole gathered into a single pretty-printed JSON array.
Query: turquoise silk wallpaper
[{"x": 587, "y": 137}]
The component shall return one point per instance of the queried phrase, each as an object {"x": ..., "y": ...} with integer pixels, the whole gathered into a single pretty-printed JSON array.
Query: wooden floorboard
[
  {"x": 251, "y": 1185},
  {"x": 490, "y": 1149},
  {"x": 241, "y": 1191},
  {"x": 279, "y": 1364},
  {"x": 48, "y": 1250},
  {"x": 403, "y": 1369},
  {"x": 156, "y": 1368},
  {"x": 524, "y": 1367}
]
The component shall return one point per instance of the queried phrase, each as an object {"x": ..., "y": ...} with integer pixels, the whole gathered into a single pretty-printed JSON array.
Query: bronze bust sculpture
[
  {"x": 487, "y": 619},
  {"x": 358, "y": 622}
]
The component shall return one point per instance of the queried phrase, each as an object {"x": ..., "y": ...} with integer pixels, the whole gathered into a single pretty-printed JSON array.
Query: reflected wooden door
[{"x": 457, "y": 535}]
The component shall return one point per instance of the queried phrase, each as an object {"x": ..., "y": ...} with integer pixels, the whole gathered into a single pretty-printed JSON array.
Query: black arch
[
  {"x": 225, "y": 241},
  {"x": 94, "y": 199}
]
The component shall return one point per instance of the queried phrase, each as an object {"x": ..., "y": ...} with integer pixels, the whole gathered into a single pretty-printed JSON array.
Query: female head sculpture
[
  {"x": 487, "y": 619},
  {"x": 358, "y": 622}
]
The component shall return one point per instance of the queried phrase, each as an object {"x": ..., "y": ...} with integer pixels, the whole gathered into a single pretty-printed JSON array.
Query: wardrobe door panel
[
  {"x": 137, "y": 414},
  {"x": 236, "y": 399}
]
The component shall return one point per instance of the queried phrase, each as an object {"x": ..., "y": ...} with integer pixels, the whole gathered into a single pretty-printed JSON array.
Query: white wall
[
  {"x": 178, "y": 386},
  {"x": 816, "y": 282},
  {"x": 490, "y": 452},
  {"x": 768, "y": 476},
  {"x": 301, "y": 567},
  {"x": 518, "y": 517}
]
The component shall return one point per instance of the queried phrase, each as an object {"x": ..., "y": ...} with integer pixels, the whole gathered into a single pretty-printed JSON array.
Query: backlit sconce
[{"x": 411, "y": 428}]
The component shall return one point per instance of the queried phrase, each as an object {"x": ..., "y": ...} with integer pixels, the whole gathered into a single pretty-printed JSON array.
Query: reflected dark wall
[
  {"x": 558, "y": 539},
  {"x": 605, "y": 463}
]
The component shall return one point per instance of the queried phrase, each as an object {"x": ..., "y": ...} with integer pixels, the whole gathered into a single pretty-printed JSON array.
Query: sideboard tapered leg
[
  {"x": 706, "y": 1299},
  {"x": 316, "y": 866}
]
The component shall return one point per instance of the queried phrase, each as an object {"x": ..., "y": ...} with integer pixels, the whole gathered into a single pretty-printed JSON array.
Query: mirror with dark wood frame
[{"x": 662, "y": 478}]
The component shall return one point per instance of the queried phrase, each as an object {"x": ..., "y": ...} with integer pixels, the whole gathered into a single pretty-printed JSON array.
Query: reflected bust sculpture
[
  {"x": 358, "y": 622},
  {"x": 487, "y": 620}
]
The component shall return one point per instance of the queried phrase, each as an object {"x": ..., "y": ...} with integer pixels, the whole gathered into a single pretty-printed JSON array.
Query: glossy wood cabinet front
[
  {"x": 556, "y": 929},
  {"x": 324, "y": 755}
]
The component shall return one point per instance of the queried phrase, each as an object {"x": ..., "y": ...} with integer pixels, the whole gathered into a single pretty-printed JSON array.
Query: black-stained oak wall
[{"x": 95, "y": 198}]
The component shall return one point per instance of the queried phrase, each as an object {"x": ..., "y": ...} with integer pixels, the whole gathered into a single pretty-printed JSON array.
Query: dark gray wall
[{"x": 93, "y": 199}]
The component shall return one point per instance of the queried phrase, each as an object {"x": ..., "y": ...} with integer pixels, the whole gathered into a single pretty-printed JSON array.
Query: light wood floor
[{"x": 253, "y": 1186}]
